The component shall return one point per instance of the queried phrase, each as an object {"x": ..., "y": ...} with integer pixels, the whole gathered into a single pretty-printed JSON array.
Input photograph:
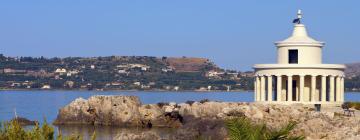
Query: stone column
[
  {"x": 269, "y": 92},
  {"x": 332, "y": 88},
  {"x": 262, "y": 81},
  {"x": 279, "y": 87},
  {"x": 323, "y": 88},
  {"x": 301, "y": 88},
  {"x": 255, "y": 87},
  {"x": 258, "y": 92},
  {"x": 342, "y": 89},
  {"x": 289, "y": 90},
  {"x": 313, "y": 88},
  {"x": 338, "y": 86}
]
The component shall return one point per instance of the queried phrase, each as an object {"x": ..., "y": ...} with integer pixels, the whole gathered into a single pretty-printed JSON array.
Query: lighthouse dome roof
[{"x": 299, "y": 37}]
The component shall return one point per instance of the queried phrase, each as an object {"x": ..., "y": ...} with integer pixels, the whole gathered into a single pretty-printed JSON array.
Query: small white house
[
  {"x": 72, "y": 72},
  {"x": 122, "y": 71},
  {"x": 46, "y": 87},
  {"x": 214, "y": 74},
  {"x": 141, "y": 66},
  {"x": 15, "y": 84},
  {"x": 167, "y": 69},
  {"x": 176, "y": 88},
  {"x": 209, "y": 88},
  {"x": 137, "y": 83},
  {"x": 60, "y": 71}
]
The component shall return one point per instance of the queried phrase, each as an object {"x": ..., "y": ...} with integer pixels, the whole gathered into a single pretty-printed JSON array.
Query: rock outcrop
[
  {"x": 101, "y": 110},
  {"x": 117, "y": 111},
  {"x": 195, "y": 119},
  {"x": 24, "y": 121}
]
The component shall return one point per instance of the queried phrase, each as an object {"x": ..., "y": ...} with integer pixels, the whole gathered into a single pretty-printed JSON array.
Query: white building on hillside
[{"x": 60, "y": 71}]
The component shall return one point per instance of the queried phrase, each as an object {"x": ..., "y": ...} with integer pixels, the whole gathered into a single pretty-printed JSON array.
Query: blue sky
[{"x": 234, "y": 34}]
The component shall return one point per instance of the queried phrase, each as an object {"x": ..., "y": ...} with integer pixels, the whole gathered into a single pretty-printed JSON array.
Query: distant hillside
[
  {"x": 118, "y": 73},
  {"x": 191, "y": 64},
  {"x": 352, "y": 79},
  {"x": 352, "y": 69}
]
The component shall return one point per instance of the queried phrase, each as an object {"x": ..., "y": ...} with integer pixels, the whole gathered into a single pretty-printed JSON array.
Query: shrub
[
  {"x": 14, "y": 131},
  {"x": 243, "y": 129},
  {"x": 161, "y": 104},
  {"x": 147, "y": 106},
  {"x": 355, "y": 105},
  {"x": 204, "y": 101},
  {"x": 190, "y": 102},
  {"x": 47, "y": 131}
]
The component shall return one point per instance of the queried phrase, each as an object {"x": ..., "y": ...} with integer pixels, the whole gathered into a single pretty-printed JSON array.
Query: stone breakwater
[{"x": 193, "y": 120}]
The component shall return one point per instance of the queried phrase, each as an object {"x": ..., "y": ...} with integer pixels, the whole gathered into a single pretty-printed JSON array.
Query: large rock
[
  {"x": 101, "y": 110},
  {"x": 207, "y": 109}
]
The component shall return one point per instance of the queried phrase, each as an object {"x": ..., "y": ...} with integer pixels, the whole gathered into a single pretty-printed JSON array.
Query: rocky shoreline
[{"x": 205, "y": 119}]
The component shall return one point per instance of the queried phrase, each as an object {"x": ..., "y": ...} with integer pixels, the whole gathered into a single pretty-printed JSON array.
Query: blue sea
[{"x": 35, "y": 105}]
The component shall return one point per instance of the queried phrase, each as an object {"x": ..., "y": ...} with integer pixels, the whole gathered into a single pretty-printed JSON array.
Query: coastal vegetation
[
  {"x": 243, "y": 129},
  {"x": 355, "y": 105},
  {"x": 12, "y": 130},
  {"x": 238, "y": 129}
]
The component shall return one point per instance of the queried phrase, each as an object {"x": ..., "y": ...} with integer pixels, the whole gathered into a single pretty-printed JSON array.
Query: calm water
[{"x": 35, "y": 105}]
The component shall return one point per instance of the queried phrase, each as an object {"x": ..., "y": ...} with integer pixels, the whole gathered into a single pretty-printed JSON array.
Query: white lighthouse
[{"x": 299, "y": 75}]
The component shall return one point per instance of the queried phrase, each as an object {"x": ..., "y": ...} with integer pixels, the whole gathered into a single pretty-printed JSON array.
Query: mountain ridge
[{"x": 352, "y": 69}]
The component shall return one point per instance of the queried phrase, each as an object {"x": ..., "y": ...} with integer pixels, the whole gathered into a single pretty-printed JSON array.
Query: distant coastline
[
  {"x": 152, "y": 90},
  {"x": 132, "y": 73}
]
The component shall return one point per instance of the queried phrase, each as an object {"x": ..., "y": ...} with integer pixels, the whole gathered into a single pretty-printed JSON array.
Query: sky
[{"x": 232, "y": 33}]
